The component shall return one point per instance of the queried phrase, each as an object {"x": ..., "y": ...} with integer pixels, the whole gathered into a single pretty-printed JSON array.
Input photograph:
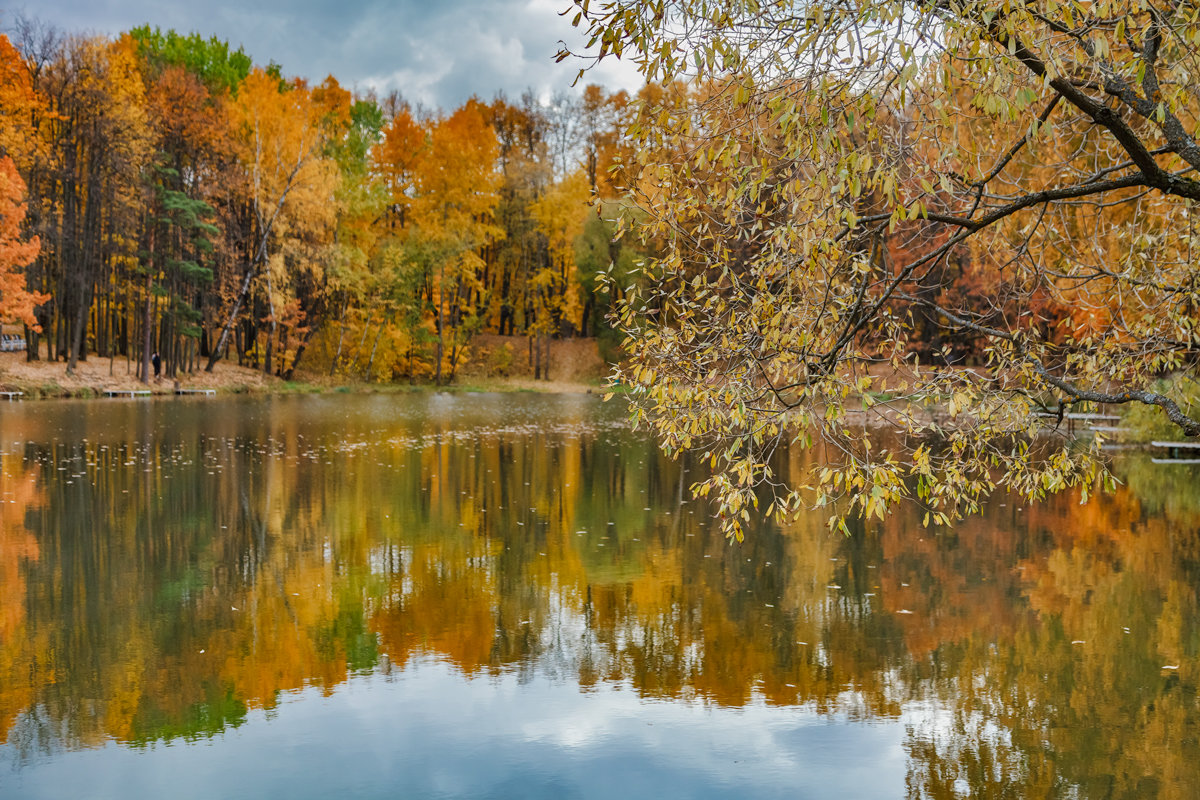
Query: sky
[{"x": 437, "y": 53}]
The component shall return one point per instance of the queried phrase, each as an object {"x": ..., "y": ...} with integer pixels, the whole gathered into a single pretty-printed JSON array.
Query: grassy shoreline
[{"x": 94, "y": 378}]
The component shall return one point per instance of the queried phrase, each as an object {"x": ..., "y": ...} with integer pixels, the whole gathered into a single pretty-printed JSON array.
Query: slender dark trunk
[
  {"x": 337, "y": 357},
  {"x": 587, "y": 315},
  {"x": 77, "y": 335},
  {"x": 362, "y": 339},
  {"x": 223, "y": 339},
  {"x": 147, "y": 329},
  {"x": 441, "y": 328},
  {"x": 535, "y": 349},
  {"x": 371, "y": 361},
  {"x": 291, "y": 370},
  {"x": 263, "y": 230},
  {"x": 269, "y": 352}
]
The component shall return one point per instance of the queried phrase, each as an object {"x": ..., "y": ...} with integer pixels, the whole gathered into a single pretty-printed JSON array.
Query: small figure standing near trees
[{"x": 156, "y": 362}]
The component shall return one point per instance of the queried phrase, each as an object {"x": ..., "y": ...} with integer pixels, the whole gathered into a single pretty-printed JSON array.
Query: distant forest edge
[{"x": 161, "y": 193}]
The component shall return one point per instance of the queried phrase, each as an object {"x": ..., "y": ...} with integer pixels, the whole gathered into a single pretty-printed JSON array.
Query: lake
[{"x": 495, "y": 596}]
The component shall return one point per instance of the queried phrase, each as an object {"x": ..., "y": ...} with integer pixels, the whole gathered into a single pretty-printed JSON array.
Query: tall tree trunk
[
  {"x": 269, "y": 350},
  {"x": 86, "y": 266},
  {"x": 584, "y": 327},
  {"x": 77, "y": 333},
  {"x": 148, "y": 313},
  {"x": 337, "y": 357},
  {"x": 291, "y": 370},
  {"x": 441, "y": 326},
  {"x": 223, "y": 339},
  {"x": 362, "y": 339},
  {"x": 32, "y": 344},
  {"x": 272, "y": 330},
  {"x": 61, "y": 326},
  {"x": 535, "y": 355},
  {"x": 387, "y": 320}
]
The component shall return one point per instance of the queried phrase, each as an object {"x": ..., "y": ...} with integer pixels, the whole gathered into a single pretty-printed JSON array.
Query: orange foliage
[
  {"x": 18, "y": 548},
  {"x": 396, "y": 160},
  {"x": 19, "y": 105},
  {"x": 190, "y": 123},
  {"x": 456, "y": 178},
  {"x": 335, "y": 103},
  {"x": 15, "y": 251}
]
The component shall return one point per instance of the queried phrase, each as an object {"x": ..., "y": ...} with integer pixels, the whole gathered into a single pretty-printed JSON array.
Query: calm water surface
[{"x": 464, "y": 596}]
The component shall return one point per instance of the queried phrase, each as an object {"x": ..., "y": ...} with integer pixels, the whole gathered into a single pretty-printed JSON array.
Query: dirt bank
[
  {"x": 498, "y": 363},
  {"x": 96, "y": 375}
]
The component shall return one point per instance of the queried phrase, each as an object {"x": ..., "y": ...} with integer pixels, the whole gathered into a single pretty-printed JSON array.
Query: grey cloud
[{"x": 435, "y": 53}]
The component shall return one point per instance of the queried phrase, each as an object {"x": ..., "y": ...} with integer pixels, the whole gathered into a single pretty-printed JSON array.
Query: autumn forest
[
  {"x": 163, "y": 193},
  {"x": 179, "y": 199}
]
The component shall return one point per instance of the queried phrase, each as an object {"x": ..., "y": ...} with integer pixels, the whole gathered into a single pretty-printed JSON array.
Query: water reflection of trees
[
  {"x": 160, "y": 586},
  {"x": 1090, "y": 693}
]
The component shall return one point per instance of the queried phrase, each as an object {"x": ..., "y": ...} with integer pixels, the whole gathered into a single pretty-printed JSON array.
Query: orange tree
[
  {"x": 16, "y": 250},
  {"x": 453, "y": 204}
]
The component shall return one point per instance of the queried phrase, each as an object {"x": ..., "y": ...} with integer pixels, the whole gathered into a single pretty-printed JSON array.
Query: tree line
[
  {"x": 806, "y": 225},
  {"x": 162, "y": 193}
]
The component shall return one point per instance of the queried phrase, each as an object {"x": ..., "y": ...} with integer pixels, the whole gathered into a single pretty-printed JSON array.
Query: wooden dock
[
  {"x": 1178, "y": 453},
  {"x": 196, "y": 391},
  {"x": 127, "y": 392},
  {"x": 1102, "y": 423},
  {"x": 12, "y": 395}
]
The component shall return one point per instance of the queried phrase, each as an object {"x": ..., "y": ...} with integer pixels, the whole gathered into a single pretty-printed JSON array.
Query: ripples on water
[{"x": 513, "y": 596}]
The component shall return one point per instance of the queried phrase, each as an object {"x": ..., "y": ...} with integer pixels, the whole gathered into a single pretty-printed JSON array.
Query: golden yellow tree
[
  {"x": 19, "y": 104},
  {"x": 560, "y": 214},
  {"x": 288, "y": 181}
]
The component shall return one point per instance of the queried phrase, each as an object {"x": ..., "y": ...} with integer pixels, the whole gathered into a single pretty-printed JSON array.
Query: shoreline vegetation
[
  {"x": 159, "y": 193},
  {"x": 497, "y": 364}
]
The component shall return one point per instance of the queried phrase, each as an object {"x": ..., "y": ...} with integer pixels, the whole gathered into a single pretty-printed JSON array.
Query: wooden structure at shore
[
  {"x": 147, "y": 392},
  {"x": 1101, "y": 423},
  {"x": 1178, "y": 452}
]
